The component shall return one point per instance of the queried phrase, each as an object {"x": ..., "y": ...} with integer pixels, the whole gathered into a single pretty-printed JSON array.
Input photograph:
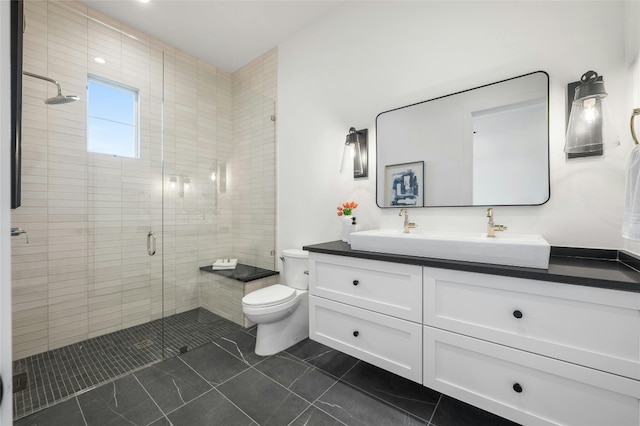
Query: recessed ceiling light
[
  {"x": 144, "y": 1},
  {"x": 100, "y": 60}
]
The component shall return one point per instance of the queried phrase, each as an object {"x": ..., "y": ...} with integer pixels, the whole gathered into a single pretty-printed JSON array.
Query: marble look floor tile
[
  {"x": 314, "y": 417},
  {"x": 451, "y": 412},
  {"x": 66, "y": 413},
  {"x": 304, "y": 379},
  {"x": 264, "y": 400},
  {"x": 403, "y": 393},
  {"x": 323, "y": 357},
  {"x": 241, "y": 345},
  {"x": 123, "y": 401},
  {"x": 213, "y": 363},
  {"x": 172, "y": 383},
  {"x": 354, "y": 407},
  {"x": 209, "y": 409}
]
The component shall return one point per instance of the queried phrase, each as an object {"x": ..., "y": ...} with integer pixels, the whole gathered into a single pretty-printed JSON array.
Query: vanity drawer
[
  {"x": 390, "y": 343},
  {"x": 389, "y": 288},
  {"x": 594, "y": 327},
  {"x": 526, "y": 388}
]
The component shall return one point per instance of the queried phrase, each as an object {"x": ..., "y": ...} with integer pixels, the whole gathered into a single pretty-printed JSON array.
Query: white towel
[
  {"x": 631, "y": 218},
  {"x": 224, "y": 264}
]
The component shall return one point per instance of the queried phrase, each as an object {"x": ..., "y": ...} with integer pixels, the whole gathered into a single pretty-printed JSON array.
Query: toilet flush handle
[
  {"x": 282, "y": 258},
  {"x": 306, "y": 272}
]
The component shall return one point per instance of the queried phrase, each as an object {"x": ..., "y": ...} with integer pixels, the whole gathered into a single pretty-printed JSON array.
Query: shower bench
[{"x": 223, "y": 290}]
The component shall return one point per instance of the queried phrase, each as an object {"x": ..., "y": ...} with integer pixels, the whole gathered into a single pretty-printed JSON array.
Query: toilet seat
[{"x": 276, "y": 294}]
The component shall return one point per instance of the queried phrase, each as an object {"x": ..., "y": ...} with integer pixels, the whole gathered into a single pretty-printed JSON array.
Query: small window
[{"x": 112, "y": 118}]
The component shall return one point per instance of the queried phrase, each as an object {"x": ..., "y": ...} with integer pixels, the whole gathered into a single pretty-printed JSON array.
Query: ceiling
[{"x": 227, "y": 34}]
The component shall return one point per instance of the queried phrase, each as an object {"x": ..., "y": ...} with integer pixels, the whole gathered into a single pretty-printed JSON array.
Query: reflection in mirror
[{"x": 487, "y": 146}]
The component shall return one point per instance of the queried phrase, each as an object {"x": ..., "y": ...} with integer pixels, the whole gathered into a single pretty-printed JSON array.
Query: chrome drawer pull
[
  {"x": 356, "y": 333},
  {"x": 356, "y": 282},
  {"x": 517, "y": 314},
  {"x": 517, "y": 388}
]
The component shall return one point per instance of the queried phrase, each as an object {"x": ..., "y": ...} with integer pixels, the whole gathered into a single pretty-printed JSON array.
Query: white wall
[
  {"x": 6, "y": 370},
  {"x": 510, "y": 133},
  {"x": 369, "y": 57}
]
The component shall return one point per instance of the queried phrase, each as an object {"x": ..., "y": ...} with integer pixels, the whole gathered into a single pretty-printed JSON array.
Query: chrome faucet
[
  {"x": 491, "y": 227},
  {"x": 407, "y": 224}
]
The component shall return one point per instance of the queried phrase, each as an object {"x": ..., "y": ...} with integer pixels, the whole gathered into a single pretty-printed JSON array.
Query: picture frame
[{"x": 404, "y": 185}]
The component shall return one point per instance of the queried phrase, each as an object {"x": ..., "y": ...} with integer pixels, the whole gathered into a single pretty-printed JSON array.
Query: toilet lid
[
  {"x": 269, "y": 296},
  {"x": 297, "y": 253}
]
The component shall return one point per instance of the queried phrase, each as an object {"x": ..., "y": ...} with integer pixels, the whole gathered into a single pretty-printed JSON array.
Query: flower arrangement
[{"x": 347, "y": 208}]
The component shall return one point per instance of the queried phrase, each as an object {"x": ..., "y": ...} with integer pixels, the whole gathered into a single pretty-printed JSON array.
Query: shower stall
[{"x": 109, "y": 280}]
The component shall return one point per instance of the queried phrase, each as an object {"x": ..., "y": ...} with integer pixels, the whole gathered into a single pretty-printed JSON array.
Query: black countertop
[
  {"x": 612, "y": 269},
  {"x": 242, "y": 273}
]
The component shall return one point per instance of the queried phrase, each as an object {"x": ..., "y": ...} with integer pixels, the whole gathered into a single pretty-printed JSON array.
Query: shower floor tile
[{"x": 57, "y": 374}]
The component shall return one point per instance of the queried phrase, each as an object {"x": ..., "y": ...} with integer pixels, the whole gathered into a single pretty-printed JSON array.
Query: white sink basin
[{"x": 531, "y": 251}]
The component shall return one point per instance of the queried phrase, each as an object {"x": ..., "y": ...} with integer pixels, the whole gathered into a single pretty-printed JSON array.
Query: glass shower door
[{"x": 124, "y": 197}]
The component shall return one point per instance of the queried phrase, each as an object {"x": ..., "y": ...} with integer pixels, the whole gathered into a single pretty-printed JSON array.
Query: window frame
[{"x": 136, "y": 112}]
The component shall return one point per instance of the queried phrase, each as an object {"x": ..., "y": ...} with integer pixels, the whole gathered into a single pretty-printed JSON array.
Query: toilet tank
[{"x": 296, "y": 268}]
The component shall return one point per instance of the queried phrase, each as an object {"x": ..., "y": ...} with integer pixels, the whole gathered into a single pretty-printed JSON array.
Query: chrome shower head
[{"x": 59, "y": 99}]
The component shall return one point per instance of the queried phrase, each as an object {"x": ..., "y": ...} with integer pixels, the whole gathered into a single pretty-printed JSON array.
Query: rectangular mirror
[{"x": 487, "y": 146}]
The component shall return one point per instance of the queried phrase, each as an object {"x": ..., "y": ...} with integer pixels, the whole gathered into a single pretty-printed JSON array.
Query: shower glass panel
[
  {"x": 219, "y": 197},
  {"x": 87, "y": 295}
]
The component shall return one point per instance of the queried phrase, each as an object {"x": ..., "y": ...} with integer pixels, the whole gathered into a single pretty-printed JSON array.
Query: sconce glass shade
[
  {"x": 588, "y": 129},
  {"x": 356, "y": 145}
]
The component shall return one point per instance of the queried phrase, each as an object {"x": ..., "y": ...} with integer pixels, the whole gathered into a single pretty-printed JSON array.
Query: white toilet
[{"x": 281, "y": 311}]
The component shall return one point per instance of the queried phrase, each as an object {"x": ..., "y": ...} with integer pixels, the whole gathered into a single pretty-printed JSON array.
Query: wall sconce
[
  {"x": 179, "y": 184},
  {"x": 356, "y": 142},
  {"x": 219, "y": 176},
  {"x": 588, "y": 129},
  {"x": 222, "y": 178}
]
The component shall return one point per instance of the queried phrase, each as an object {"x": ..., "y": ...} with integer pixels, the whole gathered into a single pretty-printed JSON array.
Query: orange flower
[{"x": 347, "y": 208}]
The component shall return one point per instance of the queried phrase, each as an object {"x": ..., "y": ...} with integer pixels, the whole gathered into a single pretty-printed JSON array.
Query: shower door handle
[{"x": 151, "y": 243}]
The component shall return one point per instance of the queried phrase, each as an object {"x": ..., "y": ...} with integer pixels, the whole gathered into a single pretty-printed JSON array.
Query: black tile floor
[
  {"x": 57, "y": 374},
  {"x": 224, "y": 383}
]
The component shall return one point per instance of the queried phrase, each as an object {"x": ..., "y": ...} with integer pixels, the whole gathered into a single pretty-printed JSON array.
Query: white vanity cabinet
[
  {"x": 368, "y": 309},
  {"x": 533, "y": 351}
]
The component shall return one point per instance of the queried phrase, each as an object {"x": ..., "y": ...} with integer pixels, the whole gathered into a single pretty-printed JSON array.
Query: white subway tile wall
[{"x": 86, "y": 271}]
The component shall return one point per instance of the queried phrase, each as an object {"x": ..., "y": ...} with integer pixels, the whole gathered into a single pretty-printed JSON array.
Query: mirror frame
[{"x": 378, "y": 177}]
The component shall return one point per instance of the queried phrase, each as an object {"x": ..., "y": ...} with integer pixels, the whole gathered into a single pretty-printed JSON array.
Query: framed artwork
[{"x": 404, "y": 185}]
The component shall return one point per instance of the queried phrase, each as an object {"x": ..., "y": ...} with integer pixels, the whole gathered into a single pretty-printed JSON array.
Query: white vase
[{"x": 346, "y": 228}]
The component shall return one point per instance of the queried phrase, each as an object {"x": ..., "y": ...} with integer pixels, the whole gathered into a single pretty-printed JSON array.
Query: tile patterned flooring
[
  {"x": 57, "y": 374},
  {"x": 223, "y": 382}
]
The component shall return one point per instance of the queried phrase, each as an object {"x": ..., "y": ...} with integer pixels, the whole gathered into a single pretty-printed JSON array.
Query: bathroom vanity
[{"x": 537, "y": 346}]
